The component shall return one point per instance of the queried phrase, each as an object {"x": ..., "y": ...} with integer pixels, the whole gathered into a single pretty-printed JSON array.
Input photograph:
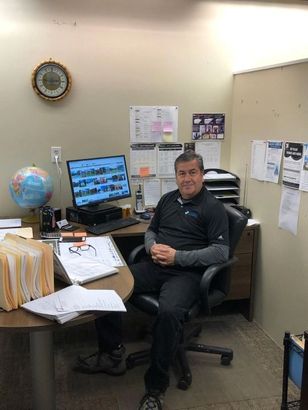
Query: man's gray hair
[{"x": 187, "y": 156}]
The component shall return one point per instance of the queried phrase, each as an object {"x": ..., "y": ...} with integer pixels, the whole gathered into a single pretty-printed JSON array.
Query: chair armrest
[
  {"x": 220, "y": 273},
  {"x": 136, "y": 254}
]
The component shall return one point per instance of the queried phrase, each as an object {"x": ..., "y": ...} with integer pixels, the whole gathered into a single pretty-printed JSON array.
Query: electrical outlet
[{"x": 55, "y": 152}]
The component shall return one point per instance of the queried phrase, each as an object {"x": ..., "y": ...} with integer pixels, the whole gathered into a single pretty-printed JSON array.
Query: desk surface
[
  {"x": 133, "y": 230},
  {"x": 122, "y": 283}
]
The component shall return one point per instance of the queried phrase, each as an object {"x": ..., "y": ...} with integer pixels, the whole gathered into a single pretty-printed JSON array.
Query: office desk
[{"x": 41, "y": 336}]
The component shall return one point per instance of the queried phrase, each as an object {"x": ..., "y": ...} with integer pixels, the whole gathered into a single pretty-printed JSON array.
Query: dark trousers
[{"x": 178, "y": 290}]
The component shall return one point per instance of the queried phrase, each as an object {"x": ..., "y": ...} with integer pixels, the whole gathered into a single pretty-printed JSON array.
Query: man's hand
[{"x": 164, "y": 255}]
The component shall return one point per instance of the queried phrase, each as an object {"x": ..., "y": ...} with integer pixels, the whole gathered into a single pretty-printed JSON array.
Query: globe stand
[{"x": 31, "y": 218}]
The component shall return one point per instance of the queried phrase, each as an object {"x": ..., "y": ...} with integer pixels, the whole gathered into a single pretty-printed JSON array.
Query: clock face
[{"x": 51, "y": 80}]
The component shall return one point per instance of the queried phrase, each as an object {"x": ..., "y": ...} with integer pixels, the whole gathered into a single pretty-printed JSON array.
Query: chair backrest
[
  {"x": 237, "y": 222},
  {"x": 216, "y": 281}
]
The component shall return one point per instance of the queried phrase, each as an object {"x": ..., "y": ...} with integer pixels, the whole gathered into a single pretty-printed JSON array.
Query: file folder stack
[{"x": 26, "y": 271}]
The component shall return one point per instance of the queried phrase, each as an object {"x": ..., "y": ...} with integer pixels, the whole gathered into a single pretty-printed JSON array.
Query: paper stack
[
  {"x": 74, "y": 300},
  {"x": 26, "y": 271}
]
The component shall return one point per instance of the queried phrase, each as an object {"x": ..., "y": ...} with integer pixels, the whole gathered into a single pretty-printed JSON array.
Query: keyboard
[{"x": 112, "y": 225}]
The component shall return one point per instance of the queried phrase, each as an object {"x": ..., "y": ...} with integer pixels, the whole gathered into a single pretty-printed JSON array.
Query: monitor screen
[{"x": 95, "y": 181}]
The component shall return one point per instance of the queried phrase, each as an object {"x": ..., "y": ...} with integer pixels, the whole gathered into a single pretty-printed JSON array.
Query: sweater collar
[{"x": 194, "y": 200}]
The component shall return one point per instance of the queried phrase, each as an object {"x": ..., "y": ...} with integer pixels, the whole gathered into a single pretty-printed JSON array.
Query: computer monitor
[{"x": 95, "y": 181}]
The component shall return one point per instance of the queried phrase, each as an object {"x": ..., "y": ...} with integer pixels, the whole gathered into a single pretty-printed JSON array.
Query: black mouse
[{"x": 145, "y": 216}]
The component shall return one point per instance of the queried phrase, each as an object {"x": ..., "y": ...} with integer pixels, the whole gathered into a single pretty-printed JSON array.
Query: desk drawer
[
  {"x": 246, "y": 242},
  {"x": 241, "y": 278}
]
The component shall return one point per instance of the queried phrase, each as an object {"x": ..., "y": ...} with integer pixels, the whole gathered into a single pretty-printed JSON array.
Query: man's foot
[
  {"x": 152, "y": 401},
  {"x": 110, "y": 363}
]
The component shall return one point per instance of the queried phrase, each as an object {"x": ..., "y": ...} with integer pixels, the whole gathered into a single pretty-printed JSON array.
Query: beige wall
[
  {"x": 122, "y": 53},
  {"x": 141, "y": 53},
  {"x": 273, "y": 104}
]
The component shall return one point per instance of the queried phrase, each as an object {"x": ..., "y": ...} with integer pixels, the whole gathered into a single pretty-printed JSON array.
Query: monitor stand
[{"x": 98, "y": 208}]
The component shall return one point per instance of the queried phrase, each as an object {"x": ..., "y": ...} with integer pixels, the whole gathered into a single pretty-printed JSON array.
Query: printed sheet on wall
[{"x": 153, "y": 124}]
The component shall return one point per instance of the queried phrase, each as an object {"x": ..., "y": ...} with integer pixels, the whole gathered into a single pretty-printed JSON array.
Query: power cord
[{"x": 59, "y": 171}]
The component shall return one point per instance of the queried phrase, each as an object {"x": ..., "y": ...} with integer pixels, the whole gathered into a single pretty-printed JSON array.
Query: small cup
[{"x": 126, "y": 211}]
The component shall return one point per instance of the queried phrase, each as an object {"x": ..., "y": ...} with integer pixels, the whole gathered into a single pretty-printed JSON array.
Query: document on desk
[
  {"x": 105, "y": 250},
  {"x": 89, "y": 299},
  {"x": 24, "y": 232},
  {"x": 10, "y": 223},
  {"x": 99, "y": 260},
  {"x": 74, "y": 300},
  {"x": 77, "y": 270}
]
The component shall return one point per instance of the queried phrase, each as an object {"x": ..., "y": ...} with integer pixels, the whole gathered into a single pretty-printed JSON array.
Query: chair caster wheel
[
  {"x": 225, "y": 360},
  {"x": 184, "y": 382}
]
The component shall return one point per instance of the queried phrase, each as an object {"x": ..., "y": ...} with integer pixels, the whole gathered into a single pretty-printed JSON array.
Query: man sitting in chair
[{"x": 188, "y": 232}]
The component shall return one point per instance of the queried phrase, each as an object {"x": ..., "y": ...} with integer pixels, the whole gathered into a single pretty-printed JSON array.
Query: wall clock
[{"x": 51, "y": 80}]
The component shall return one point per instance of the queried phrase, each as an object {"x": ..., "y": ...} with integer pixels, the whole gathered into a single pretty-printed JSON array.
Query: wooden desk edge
[{"x": 21, "y": 320}]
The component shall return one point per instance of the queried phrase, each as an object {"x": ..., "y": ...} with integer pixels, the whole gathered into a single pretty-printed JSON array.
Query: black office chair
[{"x": 214, "y": 287}]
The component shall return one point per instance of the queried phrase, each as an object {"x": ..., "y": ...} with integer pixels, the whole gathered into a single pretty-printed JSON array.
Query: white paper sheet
[
  {"x": 153, "y": 123},
  {"x": 289, "y": 209},
  {"x": 292, "y": 164},
  {"x": 210, "y": 151},
  {"x": 167, "y": 154},
  {"x": 215, "y": 176},
  {"x": 143, "y": 160},
  {"x": 303, "y": 183},
  {"x": 78, "y": 270},
  {"x": 24, "y": 232},
  {"x": 73, "y": 300},
  {"x": 273, "y": 161},
  {"x": 10, "y": 223},
  {"x": 94, "y": 299},
  {"x": 152, "y": 191},
  {"x": 168, "y": 185},
  {"x": 258, "y": 153},
  {"x": 106, "y": 252}
]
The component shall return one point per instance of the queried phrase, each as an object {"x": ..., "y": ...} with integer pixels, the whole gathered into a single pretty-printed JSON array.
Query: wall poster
[
  {"x": 208, "y": 126},
  {"x": 292, "y": 164}
]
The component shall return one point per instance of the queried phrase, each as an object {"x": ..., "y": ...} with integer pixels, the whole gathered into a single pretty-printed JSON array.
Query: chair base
[{"x": 181, "y": 362}]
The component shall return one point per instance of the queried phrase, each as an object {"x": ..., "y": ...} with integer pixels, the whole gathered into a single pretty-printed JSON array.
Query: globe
[{"x": 30, "y": 188}]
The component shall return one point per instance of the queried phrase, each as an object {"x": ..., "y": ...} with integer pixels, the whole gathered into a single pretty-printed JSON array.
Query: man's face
[{"x": 189, "y": 178}]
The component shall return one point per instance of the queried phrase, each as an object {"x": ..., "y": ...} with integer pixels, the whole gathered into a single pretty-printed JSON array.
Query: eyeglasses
[{"x": 83, "y": 247}]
